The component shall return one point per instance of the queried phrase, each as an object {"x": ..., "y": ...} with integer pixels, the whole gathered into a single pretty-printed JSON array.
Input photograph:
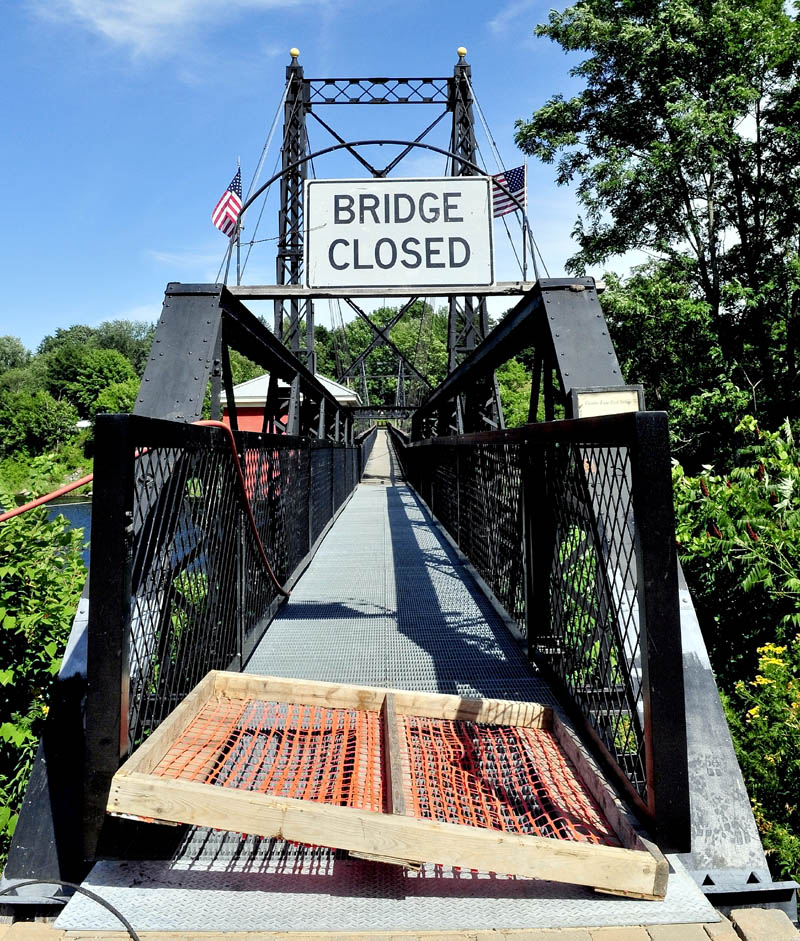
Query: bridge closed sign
[{"x": 398, "y": 233}]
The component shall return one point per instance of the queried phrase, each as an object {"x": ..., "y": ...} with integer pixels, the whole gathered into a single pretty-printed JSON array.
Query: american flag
[
  {"x": 227, "y": 210},
  {"x": 513, "y": 180}
]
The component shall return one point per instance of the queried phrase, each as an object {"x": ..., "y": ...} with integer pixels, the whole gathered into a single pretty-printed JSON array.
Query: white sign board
[
  {"x": 398, "y": 233},
  {"x": 593, "y": 403}
]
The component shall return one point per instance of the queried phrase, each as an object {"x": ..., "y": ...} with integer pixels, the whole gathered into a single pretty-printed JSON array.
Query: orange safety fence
[
  {"x": 313, "y": 753},
  {"x": 497, "y": 777}
]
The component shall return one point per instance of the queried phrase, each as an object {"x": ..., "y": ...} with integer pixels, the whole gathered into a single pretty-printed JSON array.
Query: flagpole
[
  {"x": 525, "y": 224},
  {"x": 239, "y": 238},
  {"x": 229, "y": 254}
]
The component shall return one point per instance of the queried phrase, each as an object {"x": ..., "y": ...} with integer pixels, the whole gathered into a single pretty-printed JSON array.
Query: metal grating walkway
[{"x": 386, "y": 602}]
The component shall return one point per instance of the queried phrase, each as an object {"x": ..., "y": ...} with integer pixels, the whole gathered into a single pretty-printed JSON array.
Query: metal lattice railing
[
  {"x": 180, "y": 559},
  {"x": 354, "y": 91},
  {"x": 570, "y": 525}
]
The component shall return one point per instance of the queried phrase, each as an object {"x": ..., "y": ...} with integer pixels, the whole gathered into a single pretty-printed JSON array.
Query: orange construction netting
[
  {"x": 309, "y": 752},
  {"x": 498, "y": 777}
]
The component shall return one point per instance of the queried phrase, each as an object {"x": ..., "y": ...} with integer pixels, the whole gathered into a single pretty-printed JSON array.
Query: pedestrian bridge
[{"x": 534, "y": 565}]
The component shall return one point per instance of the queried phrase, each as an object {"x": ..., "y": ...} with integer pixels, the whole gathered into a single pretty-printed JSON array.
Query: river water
[{"x": 78, "y": 514}]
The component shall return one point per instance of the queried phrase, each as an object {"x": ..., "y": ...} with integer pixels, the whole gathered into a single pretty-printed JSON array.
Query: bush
[
  {"x": 739, "y": 538},
  {"x": 41, "y": 577},
  {"x": 764, "y": 716}
]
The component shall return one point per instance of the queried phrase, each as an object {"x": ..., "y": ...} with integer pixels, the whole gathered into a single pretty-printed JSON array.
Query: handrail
[{"x": 39, "y": 501}]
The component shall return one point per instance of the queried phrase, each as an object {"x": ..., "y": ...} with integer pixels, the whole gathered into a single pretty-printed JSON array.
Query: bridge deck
[{"x": 386, "y": 601}]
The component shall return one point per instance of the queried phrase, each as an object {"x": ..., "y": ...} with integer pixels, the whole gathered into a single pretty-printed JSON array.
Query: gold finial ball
[
  {"x": 462, "y": 51},
  {"x": 294, "y": 52}
]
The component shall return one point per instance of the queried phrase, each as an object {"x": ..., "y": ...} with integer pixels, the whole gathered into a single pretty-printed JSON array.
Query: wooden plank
[
  {"x": 610, "y": 804},
  {"x": 267, "y": 291},
  {"x": 387, "y": 835},
  {"x": 370, "y": 698},
  {"x": 153, "y": 749},
  {"x": 392, "y": 765}
]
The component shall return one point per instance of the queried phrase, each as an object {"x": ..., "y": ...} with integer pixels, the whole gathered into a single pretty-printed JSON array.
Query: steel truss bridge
[{"x": 525, "y": 563}]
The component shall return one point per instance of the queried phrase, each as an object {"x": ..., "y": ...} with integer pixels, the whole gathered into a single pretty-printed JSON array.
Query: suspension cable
[
  {"x": 272, "y": 129},
  {"x": 260, "y": 165},
  {"x": 498, "y": 160}
]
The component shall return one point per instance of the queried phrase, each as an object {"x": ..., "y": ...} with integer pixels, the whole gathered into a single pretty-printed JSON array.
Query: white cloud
[
  {"x": 509, "y": 18},
  {"x": 151, "y": 27}
]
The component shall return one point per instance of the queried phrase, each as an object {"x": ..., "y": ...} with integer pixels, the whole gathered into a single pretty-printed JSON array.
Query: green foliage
[
  {"x": 243, "y": 368},
  {"x": 116, "y": 398},
  {"x": 749, "y": 520},
  {"x": 46, "y": 472},
  {"x": 514, "y": 382},
  {"x": 41, "y": 577},
  {"x": 683, "y": 143},
  {"x": 764, "y": 716},
  {"x": 739, "y": 539},
  {"x": 131, "y": 338},
  {"x": 97, "y": 370},
  {"x": 13, "y": 354}
]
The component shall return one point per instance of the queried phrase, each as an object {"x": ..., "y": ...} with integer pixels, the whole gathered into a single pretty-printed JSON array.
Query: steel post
[
  {"x": 109, "y": 618},
  {"x": 289, "y": 260},
  {"x": 660, "y": 632}
]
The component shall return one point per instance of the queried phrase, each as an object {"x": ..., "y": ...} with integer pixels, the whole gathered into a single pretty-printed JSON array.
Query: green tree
[
  {"x": 116, "y": 398},
  {"x": 97, "y": 370},
  {"x": 131, "y": 338},
  {"x": 34, "y": 422},
  {"x": 12, "y": 353},
  {"x": 682, "y": 144},
  {"x": 514, "y": 382},
  {"x": 666, "y": 341},
  {"x": 739, "y": 539},
  {"x": 76, "y": 335}
]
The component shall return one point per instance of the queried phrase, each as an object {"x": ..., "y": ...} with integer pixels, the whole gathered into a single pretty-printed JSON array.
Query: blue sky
[{"x": 124, "y": 120}]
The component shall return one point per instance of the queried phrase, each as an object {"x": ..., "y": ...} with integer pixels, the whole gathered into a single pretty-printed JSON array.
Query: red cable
[
  {"x": 209, "y": 423},
  {"x": 85, "y": 480},
  {"x": 46, "y": 499}
]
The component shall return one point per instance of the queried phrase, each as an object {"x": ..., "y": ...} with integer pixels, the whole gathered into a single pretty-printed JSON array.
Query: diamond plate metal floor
[{"x": 385, "y": 602}]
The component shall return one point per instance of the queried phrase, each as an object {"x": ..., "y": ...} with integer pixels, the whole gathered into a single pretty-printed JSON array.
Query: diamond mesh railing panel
[
  {"x": 321, "y": 490},
  {"x": 190, "y": 548},
  {"x": 582, "y": 525},
  {"x": 490, "y": 497},
  {"x": 594, "y": 647},
  {"x": 201, "y": 595},
  {"x": 293, "y": 504},
  {"x": 339, "y": 478}
]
